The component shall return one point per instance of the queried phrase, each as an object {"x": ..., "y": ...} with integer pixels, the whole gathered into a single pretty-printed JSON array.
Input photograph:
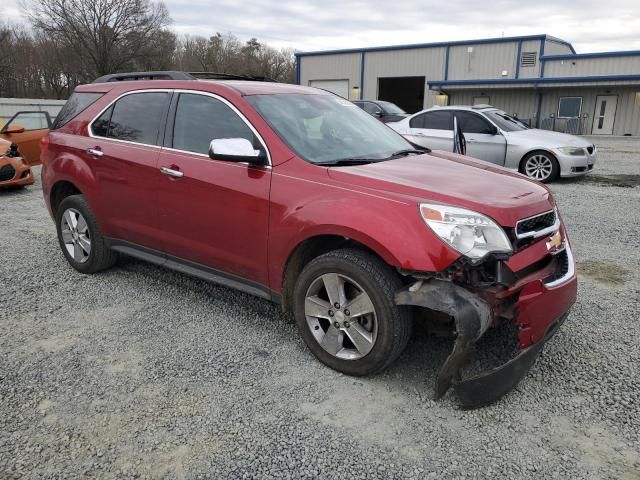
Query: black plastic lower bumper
[{"x": 488, "y": 387}]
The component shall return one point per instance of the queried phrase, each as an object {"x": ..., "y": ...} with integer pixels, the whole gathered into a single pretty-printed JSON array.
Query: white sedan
[{"x": 499, "y": 138}]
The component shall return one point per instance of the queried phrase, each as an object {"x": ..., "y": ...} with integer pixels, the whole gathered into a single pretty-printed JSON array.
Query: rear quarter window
[{"x": 78, "y": 102}]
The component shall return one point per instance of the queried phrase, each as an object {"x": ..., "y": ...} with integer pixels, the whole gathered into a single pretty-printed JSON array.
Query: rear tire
[
  {"x": 80, "y": 238},
  {"x": 359, "y": 342},
  {"x": 541, "y": 166}
]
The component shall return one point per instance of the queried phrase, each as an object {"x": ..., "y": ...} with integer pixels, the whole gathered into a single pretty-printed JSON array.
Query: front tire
[
  {"x": 541, "y": 166},
  {"x": 81, "y": 241},
  {"x": 345, "y": 311}
]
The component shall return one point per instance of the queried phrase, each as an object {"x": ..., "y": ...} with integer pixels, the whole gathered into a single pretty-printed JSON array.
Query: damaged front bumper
[{"x": 537, "y": 302}]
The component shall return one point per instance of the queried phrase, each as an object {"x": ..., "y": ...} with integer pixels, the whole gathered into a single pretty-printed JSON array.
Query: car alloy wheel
[
  {"x": 539, "y": 167},
  {"x": 76, "y": 235},
  {"x": 341, "y": 316}
]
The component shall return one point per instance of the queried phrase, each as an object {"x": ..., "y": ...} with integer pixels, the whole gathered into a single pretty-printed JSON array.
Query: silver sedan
[{"x": 499, "y": 138}]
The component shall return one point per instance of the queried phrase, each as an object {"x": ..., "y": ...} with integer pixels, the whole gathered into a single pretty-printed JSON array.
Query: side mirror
[
  {"x": 236, "y": 150},
  {"x": 13, "y": 129},
  {"x": 378, "y": 113},
  {"x": 492, "y": 130}
]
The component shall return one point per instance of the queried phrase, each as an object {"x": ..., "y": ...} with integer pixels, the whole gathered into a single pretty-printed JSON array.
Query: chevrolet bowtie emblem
[{"x": 555, "y": 241}]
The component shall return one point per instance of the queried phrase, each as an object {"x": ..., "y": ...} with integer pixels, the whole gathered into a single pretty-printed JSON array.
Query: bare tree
[{"x": 106, "y": 35}]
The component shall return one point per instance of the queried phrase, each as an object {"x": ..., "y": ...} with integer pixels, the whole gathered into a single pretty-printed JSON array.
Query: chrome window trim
[
  {"x": 172, "y": 90},
  {"x": 570, "y": 270},
  {"x": 538, "y": 233},
  {"x": 237, "y": 112},
  {"x": 128, "y": 142}
]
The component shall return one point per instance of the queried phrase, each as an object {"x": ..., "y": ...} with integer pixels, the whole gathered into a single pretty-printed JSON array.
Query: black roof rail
[
  {"x": 230, "y": 76},
  {"x": 158, "y": 75},
  {"x": 177, "y": 75}
]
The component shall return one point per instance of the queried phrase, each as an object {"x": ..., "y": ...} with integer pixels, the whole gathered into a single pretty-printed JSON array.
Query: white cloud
[{"x": 590, "y": 25}]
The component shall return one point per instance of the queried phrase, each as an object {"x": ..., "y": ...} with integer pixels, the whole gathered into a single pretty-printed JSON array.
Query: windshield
[
  {"x": 327, "y": 128},
  {"x": 505, "y": 121},
  {"x": 391, "y": 108}
]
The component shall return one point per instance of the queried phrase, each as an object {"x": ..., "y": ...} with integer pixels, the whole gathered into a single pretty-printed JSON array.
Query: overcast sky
[{"x": 590, "y": 25}]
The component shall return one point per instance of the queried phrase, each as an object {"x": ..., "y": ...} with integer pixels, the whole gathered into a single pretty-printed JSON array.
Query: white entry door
[
  {"x": 339, "y": 87},
  {"x": 604, "y": 114}
]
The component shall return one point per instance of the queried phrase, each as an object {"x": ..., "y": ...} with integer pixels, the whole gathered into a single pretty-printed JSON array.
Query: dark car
[
  {"x": 292, "y": 194},
  {"x": 387, "y": 112}
]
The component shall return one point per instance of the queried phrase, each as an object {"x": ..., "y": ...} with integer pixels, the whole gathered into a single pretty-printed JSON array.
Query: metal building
[{"x": 539, "y": 78}]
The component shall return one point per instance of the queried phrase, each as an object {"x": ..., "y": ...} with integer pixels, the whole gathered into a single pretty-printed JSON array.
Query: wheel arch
[
  {"x": 314, "y": 246},
  {"x": 59, "y": 191}
]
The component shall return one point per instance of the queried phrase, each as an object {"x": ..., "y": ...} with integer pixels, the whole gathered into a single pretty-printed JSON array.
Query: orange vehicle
[
  {"x": 14, "y": 171},
  {"x": 25, "y": 129}
]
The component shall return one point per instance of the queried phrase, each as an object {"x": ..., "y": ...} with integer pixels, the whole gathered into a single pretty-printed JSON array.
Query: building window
[
  {"x": 528, "y": 59},
  {"x": 569, "y": 107}
]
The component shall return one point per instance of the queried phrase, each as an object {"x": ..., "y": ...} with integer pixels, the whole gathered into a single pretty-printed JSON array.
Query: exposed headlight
[
  {"x": 574, "y": 151},
  {"x": 472, "y": 234}
]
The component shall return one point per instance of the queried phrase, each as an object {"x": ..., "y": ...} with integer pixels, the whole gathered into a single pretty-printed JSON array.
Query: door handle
[
  {"x": 171, "y": 172},
  {"x": 95, "y": 152}
]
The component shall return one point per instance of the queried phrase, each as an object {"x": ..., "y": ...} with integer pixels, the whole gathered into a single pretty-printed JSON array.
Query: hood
[
  {"x": 549, "y": 139},
  {"x": 444, "y": 177}
]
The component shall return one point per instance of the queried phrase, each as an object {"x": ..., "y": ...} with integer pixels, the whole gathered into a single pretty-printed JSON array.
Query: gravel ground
[{"x": 141, "y": 372}]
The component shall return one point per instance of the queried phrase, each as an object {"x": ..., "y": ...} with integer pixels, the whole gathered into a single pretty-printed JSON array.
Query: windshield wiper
[
  {"x": 349, "y": 161},
  {"x": 401, "y": 153}
]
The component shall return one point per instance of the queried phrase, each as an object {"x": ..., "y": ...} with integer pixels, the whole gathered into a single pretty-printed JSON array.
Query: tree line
[{"x": 69, "y": 42}]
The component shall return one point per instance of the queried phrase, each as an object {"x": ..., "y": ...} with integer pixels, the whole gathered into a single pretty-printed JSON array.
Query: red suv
[{"x": 298, "y": 196}]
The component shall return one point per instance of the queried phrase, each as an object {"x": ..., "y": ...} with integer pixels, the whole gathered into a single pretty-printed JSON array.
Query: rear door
[
  {"x": 122, "y": 150},
  {"x": 213, "y": 212},
  {"x": 482, "y": 143},
  {"x": 433, "y": 129},
  {"x": 36, "y": 125}
]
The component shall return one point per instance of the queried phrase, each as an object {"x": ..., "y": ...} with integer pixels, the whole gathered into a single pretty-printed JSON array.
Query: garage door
[{"x": 339, "y": 87}]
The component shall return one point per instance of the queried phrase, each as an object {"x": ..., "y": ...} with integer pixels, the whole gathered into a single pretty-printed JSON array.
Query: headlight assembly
[
  {"x": 472, "y": 234},
  {"x": 573, "y": 151}
]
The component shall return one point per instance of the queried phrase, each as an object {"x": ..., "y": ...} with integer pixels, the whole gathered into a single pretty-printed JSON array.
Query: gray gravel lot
[{"x": 142, "y": 372}]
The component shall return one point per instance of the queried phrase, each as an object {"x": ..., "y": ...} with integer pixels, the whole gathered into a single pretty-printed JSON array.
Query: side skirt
[{"x": 193, "y": 269}]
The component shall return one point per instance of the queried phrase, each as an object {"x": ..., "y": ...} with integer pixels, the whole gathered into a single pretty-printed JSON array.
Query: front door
[
  {"x": 35, "y": 125},
  {"x": 484, "y": 141},
  {"x": 213, "y": 212},
  {"x": 605, "y": 114}
]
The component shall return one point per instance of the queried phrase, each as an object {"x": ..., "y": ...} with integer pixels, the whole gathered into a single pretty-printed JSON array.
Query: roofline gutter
[{"x": 543, "y": 37}]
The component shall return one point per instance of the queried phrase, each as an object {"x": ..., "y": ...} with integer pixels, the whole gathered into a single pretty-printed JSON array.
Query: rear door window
[
  {"x": 137, "y": 117},
  {"x": 78, "y": 102},
  {"x": 439, "y": 120}
]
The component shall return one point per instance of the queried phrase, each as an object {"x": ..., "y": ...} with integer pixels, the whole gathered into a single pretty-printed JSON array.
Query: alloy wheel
[
  {"x": 539, "y": 166},
  {"x": 76, "y": 235},
  {"x": 341, "y": 316}
]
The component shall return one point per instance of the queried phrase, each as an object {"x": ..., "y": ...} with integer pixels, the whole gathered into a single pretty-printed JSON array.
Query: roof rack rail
[
  {"x": 158, "y": 75},
  {"x": 230, "y": 76},
  {"x": 177, "y": 75}
]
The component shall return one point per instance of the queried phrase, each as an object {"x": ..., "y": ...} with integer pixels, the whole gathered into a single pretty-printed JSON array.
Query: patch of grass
[{"x": 603, "y": 272}]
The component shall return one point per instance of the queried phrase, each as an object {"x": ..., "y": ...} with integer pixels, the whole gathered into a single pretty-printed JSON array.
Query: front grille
[
  {"x": 590, "y": 149},
  {"x": 7, "y": 173},
  {"x": 562, "y": 267},
  {"x": 529, "y": 226}
]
